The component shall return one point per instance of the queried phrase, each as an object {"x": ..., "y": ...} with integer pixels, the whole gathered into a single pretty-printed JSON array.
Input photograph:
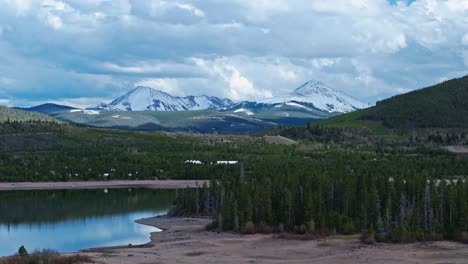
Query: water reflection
[{"x": 74, "y": 220}]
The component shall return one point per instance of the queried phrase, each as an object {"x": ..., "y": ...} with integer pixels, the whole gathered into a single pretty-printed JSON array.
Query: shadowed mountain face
[{"x": 47, "y": 108}]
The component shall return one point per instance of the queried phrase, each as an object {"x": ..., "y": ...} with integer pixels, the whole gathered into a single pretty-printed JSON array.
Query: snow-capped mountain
[
  {"x": 313, "y": 96},
  {"x": 321, "y": 96},
  {"x": 146, "y": 98}
]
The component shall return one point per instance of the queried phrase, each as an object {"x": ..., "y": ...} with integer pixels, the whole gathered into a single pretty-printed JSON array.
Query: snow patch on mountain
[
  {"x": 321, "y": 96},
  {"x": 86, "y": 112},
  {"x": 148, "y": 99},
  {"x": 245, "y": 111}
]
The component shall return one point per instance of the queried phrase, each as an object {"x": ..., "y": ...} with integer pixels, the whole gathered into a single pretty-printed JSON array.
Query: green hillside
[
  {"x": 444, "y": 105},
  {"x": 9, "y": 114}
]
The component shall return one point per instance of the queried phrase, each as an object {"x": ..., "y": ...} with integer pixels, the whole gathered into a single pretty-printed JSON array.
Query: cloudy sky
[{"x": 82, "y": 52}]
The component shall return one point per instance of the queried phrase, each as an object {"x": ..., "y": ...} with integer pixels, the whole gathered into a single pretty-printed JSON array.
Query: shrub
[
  {"x": 368, "y": 236},
  {"x": 281, "y": 228},
  {"x": 46, "y": 256},
  {"x": 302, "y": 229},
  {"x": 399, "y": 235},
  {"x": 419, "y": 235},
  {"x": 311, "y": 226},
  {"x": 213, "y": 225},
  {"x": 22, "y": 251},
  {"x": 348, "y": 229},
  {"x": 264, "y": 229},
  {"x": 249, "y": 228},
  {"x": 463, "y": 237}
]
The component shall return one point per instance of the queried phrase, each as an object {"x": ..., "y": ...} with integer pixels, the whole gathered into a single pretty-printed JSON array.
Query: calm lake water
[{"x": 70, "y": 220}]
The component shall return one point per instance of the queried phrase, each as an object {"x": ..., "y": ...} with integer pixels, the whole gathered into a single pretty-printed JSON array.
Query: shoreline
[
  {"x": 149, "y": 184},
  {"x": 185, "y": 240}
]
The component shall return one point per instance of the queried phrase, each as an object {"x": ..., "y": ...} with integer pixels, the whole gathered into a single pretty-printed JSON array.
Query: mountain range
[
  {"x": 144, "y": 108},
  {"x": 440, "y": 106},
  {"x": 148, "y": 99},
  {"x": 312, "y": 96}
]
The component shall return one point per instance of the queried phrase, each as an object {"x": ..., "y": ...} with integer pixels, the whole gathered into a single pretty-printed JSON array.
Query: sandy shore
[
  {"x": 155, "y": 184},
  {"x": 184, "y": 240}
]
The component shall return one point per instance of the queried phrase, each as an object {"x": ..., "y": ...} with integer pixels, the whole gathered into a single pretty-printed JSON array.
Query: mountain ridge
[
  {"x": 15, "y": 115},
  {"x": 143, "y": 98},
  {"x": 321, "y": 96},
  {"x": 47, "y": 108},
  {"x": 444, "y": 105}
]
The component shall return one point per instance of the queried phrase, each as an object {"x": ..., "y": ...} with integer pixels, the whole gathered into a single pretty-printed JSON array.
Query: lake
[{"x": 70, "y": 220}]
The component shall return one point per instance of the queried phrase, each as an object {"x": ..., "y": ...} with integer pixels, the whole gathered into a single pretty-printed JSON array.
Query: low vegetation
[{"x": 46, "y": 256}]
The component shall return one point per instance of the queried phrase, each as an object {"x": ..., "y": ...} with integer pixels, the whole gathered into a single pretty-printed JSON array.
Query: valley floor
[
  {"x": 156, "y": 184},
  {"x": 184, "y": 240}
]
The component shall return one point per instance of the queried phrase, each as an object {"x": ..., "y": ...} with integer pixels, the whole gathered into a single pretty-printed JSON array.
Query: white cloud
[
  {"x": 6, "y": 81},
  {"x": 5, "y": 102},
  {"x": 21, "y": 7},
  {"x": 79, "y": 102},
  {"x": 166, "y": 85},
  {"x": 54, "y": 5},
  {"x": 465, "y": 57},
  {"x": 243, "y": 48},
  {"x": 323, "y": 62},
  {"x": 197, "y": 12},
  {"x": 287, "y": 75},
  {"x": 241, "y": 88},
  {"x": 457, "y": 5},
  {"x": 465, "y": 40},
  {"x": 54, "y": 21}
]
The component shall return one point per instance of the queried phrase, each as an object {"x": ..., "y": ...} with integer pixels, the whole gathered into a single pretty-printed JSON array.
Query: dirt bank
[
  {"x": 157, "y": 184},
  {"x": 184, "y": 240}
]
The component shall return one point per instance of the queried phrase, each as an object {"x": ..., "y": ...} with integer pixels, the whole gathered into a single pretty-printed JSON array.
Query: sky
[{"x": 83, "y": 52}]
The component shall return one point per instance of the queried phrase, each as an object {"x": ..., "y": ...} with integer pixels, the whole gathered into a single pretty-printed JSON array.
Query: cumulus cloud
[
  {"x": 67, "y": 50},
  {"x": 465, "y": 40},
  {"x": 165, "y": 85}
]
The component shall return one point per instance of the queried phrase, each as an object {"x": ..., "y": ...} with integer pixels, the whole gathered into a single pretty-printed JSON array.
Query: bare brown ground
[
  {"x": 154, "y": 184},
  {"x": 184, "y": 240}
]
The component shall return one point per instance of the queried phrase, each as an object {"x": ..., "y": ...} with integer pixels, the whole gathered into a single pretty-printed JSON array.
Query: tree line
[{"x": 395, "y": 198}]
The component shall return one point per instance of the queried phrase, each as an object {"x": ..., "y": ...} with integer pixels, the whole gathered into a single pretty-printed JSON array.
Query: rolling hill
[
  {"x": 47, "y": 109},
  {"x": 444, "y": 105},
  {"x": 10, "y": 114}
]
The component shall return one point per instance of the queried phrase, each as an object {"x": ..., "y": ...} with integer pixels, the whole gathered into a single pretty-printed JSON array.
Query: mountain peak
[
  {"x": 321, "y": 96},
  {"x": 314, "y": 86},
  {"x": 143, "y": 98}
]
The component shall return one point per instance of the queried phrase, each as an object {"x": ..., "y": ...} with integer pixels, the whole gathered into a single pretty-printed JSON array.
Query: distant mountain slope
[
  {"x": 319, "y": 96},
  {"x": 312, "y": 97},
  {"x": 202, "y": 121},
  {"x": 146, "y": 98},
  {"x": 444, "y": 105},
  {"x": 9, "y": 114},
  {"x": 144, "y": 108},
  {"x": 47, "y": 109}
]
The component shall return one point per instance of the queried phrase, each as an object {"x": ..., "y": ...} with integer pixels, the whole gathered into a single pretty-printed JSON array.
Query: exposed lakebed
[{"x": 70, "y": 220}]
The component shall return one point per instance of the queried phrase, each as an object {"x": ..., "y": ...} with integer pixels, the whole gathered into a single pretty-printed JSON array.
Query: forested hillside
[
  {"x": 15, "y": 115},
  {"x": 382, "y": 170},
  {"x": 444, "y": 105},
  {"x": 397, "y": 197}
]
